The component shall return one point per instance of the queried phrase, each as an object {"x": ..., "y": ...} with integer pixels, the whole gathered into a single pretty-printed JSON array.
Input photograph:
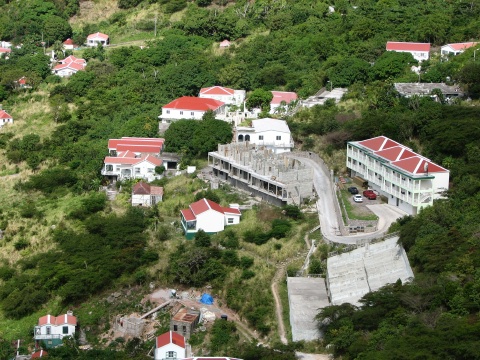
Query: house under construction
[{"x": 275, "y": 178}]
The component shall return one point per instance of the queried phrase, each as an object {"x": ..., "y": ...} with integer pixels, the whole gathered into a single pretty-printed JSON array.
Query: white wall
[
  {"x": 57, "y": 330},
  {"x": 235, "y": 217},
  {"x": 211, "y": 221},
  {"x": 181, "y": 114},
  {"x": 143, "y": 200},
  {"x": 161, "y": 353},
  {"x": 5, "y": 121},
  {"x": 440, "y": 183}
]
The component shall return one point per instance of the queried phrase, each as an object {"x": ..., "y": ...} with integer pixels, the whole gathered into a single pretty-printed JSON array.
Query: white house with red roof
[
  {"x": 69, "y": 44},
  {"x": 456, "y": 48},
  {"x": 5, "y": 118},
  {"x": 409, "y": 180},
  {"x": 5, "y": 52},
  {"x": 69, "y": 66},
  {"x": 419, "y": 51},
  {"x": 52, "y": 329},
  {"x": 190, "y": 107},
  {"x": 144, "y": 194},
  {"x": 223, "y": 94},
  {"x": 97, "y": 38},
  {"x": 272, "y": 134},
  {"x": 207, "y": 216},
  {"x": 170, "y": 346},
  {"x": 224, "y": 44},
  {"x": 280, "y": 101},
  {"x": 137, "y": 145}
]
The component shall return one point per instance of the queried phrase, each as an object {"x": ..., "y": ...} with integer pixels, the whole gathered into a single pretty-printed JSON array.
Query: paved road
[{"x": 387, "y": 214}]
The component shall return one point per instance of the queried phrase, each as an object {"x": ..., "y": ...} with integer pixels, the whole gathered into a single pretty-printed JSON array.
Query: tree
[
  {"x": 202, "y": 239},
  {"x": 56, "y": 28},
  {"x": 259, "y": 98}
]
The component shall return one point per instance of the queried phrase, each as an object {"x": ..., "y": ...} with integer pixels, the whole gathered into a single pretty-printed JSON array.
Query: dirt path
[{"x": 278, "y": 304}]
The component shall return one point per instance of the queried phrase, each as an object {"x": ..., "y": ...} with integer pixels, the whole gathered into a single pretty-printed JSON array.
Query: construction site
[{"x": 275, "y": 178}]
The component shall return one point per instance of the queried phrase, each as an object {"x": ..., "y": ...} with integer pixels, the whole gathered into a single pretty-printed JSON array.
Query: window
[
  {"x": 230, "y": 220},
  {"x": 260, "y": 137},
  {"x": 117, "y": 168},
  {"x": 192, "y": 113},
  {"x": 168, "y": 111},
  {"x": 172, "y": 354},
  {"x": 175, "y": 327},
  {"x": 49, "y": 330},
  {"x": 184, "y": 329},
  {"x": 65, "y": 330},
  {"x": 109, "y": 168},
  {"x": 137, "y": 170},
  {"x": 181, "y": 112},
  {"x": 279, "y": 138},
  {"x": 150, "y": 170}
]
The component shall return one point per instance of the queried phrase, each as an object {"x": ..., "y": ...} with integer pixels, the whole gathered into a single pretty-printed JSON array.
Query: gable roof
[
  {"x": 71, "y": 62},
  {"x": 378, "y": 143},
  {"x": 407, "y": 46},
  {"x": 150, "y": 145},
  {"x": 170, "y": 337},
  {"x": 39, "y": 354},
  {"x": 194, "y": 103},
  {"x": 461, "y": 46},
  {"x": 204, "y": 205},
  {"x": 98, "y": 35},
  {"x": 123, "y": 159},
  {"x": 418, "y": 165},
  {"x": 142, "y": 188},
  {"x": 287, "y": 96},
  {"x": 58, "y": 320},
  {"x": 216, "y": 90},
  {"x": 396, "y": 153},
  {"x": 268, "y": 124},
  {"x": 4, "y": 115},
  {"x": 69, "y": 42}
]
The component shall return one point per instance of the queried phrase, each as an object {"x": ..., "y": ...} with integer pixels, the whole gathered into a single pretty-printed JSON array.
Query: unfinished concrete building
[
  {"x": 184, "y": 322},
  {"x": 273, "y": 177}
]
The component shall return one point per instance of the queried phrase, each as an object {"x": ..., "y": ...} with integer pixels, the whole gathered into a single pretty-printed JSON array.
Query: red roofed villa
[
  {"x": 223, "y": 94},
  {"x": 52, "y": 329},
  {"x": 408, "y": 180},
  {"x": 224, "y": 44},
  {"x": 419, "y": 51},
  {"x": 5, "y": 118},
  {"x": 97, "y": 38},
  {"x": 281, "y": 98},
  {"x": 69, "y": 66},
  {"x": 69, "y": 44},
  {"x": 208, "y": 216},
  {"x": 456, "y": 48},
  {"x": 190, "y": 107},
  {"x": 170, "y": 346}
]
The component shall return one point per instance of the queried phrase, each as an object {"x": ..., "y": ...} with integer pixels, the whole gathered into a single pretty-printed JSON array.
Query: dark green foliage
[
  {"x": 89, "y": 205},
  {"x": 6, "y": 273},
  {"x": 315, "y": 267},
  {"x": 292, "y": 211},
  {"x": 207, "y": 194},
  {"x": 256, "y": 236},
  {"x": 127, "y": 4},
  {"x": 247, "y": 274},
  {"x": 259, "y": 98},
  {"x": 224, "y": 336},
  {"x": 280, "y": 228},
  {"x": 175, "y": 5},
  {"x": 29, "y": 210},
  {"x": 229, "y": 239},
  {"x": 246, "y": 262},
  {"x": 202, "y": 239},
  {"x": 21, "y": 244},
  {"x": 50, "y": 180}
]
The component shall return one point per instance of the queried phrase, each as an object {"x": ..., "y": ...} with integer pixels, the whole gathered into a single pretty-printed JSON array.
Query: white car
[{"x": 357, "y": 198}]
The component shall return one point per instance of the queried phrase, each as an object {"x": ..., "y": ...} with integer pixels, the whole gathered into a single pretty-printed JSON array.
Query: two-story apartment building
[
  {"x": 419, "y": 51},
  {"x": 223, "y": 94},
  {"x": 190, "y": 107},
  {"x": 131, "y": 157},
  {"x": 409, "y": 180},
  {"x": 52, "y": 329},
  {"x": 267, "y": 133}
]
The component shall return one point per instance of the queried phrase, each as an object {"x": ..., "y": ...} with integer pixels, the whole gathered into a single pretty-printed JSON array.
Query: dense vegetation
[{"x": 288, "y": 45}]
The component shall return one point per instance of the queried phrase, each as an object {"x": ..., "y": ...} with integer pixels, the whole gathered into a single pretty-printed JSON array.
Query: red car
[{"x": 369, "y": 194}]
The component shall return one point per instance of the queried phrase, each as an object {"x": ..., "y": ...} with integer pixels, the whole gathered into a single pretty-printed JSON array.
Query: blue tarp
[{"x": 206, "y": 299}]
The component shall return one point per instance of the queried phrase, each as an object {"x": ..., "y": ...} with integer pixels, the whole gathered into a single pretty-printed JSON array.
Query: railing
[{"x": 49, "y": 337}]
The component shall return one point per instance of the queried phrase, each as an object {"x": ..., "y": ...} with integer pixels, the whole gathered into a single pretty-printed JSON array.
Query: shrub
[
  {"x": 280, "y": 228},
  {"x": 230, "y": 257},
  {"x": 6, "y": 273},
  {"x": 293, "y": 212},
  {"x": 247, "y": 274},
  {"x": 256, "y": 236},
  {"x": 21, "y": 244},
  {"x": 246, "y": 262}
]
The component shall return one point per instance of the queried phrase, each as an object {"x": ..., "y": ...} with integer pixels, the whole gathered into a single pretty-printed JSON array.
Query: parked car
[
  {"x": 370, "y": 195},
  {"x": 357, "y": 198},
  {"x": 353, "y": 190}
]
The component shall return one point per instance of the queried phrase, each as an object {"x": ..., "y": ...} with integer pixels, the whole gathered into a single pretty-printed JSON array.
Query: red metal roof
[
  {"x": 188, "y": 215},
  {"x": 98, "y": 35},
  {"x": 5, "y": 50},
  {"x": 68, "y": 42},
  {"x": 113, "y": 143},
  {"x": 170, "y": 337},
  {"x": 58, "y": 320},
  {"x": 416, "y": 165},
  {"x": 152, "y": 149},
  {"x": 462, "y": 46},
  {"x": 132, "y": 160},
  {"x": 216, "y": 90},
  {"x": 194, "y": 103},
  {"x": 379, "y": 143},
  {"x": 279, "y": 96},
  {"x": 204, "y": 205},
  {"x": 396, "y": 153},
  {"x": 4, "y": 115},
  {"x": 228, "y": 210},
  {"x": 39, "y": 354},
  {"x": 407, "y": 46}
]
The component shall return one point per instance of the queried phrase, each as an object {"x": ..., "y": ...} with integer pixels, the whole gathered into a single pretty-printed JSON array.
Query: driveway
[{"x": 329, "y": 226}]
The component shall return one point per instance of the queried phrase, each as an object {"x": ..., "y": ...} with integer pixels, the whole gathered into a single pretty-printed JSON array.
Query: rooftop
[
  {"x": 186, "y": 315},
  {"x": 268, "y": 124},
  {"x": 407, "y": 46},
  {"x": 216, "y": 90},
  {"x": 279, "y": 96},
  {"x": 194, "y": 103},
  {"x": 409, "y": 89},
  {"x": 170, "y": 337}
]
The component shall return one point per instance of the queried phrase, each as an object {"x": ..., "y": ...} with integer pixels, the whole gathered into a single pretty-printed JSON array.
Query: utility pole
[{"x": 155, "y": 25}]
